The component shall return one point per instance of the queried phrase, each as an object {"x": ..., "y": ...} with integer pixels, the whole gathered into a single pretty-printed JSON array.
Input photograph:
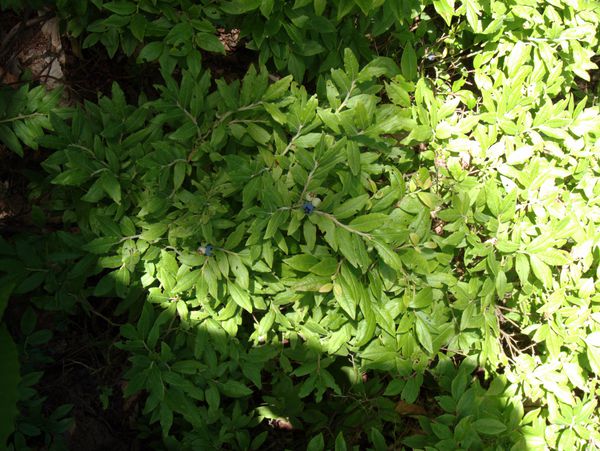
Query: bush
[{"x": 378, "y": 251}]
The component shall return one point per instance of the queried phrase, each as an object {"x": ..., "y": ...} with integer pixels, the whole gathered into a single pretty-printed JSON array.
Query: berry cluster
[{"x": 206, "y": 250}]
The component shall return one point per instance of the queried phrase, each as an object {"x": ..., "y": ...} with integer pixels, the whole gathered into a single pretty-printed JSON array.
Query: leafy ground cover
[{"x": 311, "y": 225}]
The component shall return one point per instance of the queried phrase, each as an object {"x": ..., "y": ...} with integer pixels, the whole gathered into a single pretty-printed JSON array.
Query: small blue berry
[
  {"x": 431, "y": 57},
  {"x": 308, "y": 207},
  {"x": 208, "y": 250}
]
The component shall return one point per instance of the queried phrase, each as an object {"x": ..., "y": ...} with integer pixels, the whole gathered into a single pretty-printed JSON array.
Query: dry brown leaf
[{"x": 404, "y": 408}]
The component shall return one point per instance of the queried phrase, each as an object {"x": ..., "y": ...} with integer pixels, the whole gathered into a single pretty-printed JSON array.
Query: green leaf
[
  {"x": 234, "y": 389},
  {"x": 138, "y": 26},
  {"x": 100, "y": 245},
  {"x": 154, "y": 231},
  {"x": 390, "y": 258},
  {"x": 301, "y": 262},
  {"x": 187, "y": 281},
  {"x": 423, "y": 334},
  {"x": 354, "y": 156},
  {"x": 411, "y": 390},
  {"x": 492, "y": 197},
  {"x": 185, "y": 132},
  {"x": 365, "y": 5},
  {"x": 489, "y": 426},
  {"x": 350, "y": 207},
  {"x": 239, "y": 296},
  {"x": 8, "y": 137},
  {"x": 501, "y": 284},
  {"x": 310, "y": 234},
  {"x": 326, "y": 267},
  {"x": 344, "y": 7},
  {"x": 408, "y": 62},
  {"x": 350, "y": 64},
  {"x": 210, "y": 43},
  {"x": 240, "y": 6},
  {"x": 369, "y": 222},
  {"x": 423, "y": 299},
  {"x": 166, "y": 418},
  {"x": 346, "y": 300},
  {"x": 378, "y": 440},
  {"x": 111, "y": 186},
  {"x": 27, "y": 132},
  {"x": 554, "y": 257},
  {"x": 430, "y": 200},
  {"x": 366, "y": 327},
  {"x": 276, "y": 90},
  {"x": 317, "y": 443},
  {"x": 9, "y": 381},
  {"x": 258, "y": 134},
  {"x": 445, "y": 8},
  {"x": 179, "y": 172},
  {"x": 472, "y": 13},
  {"x": 301, "y": 3},
  {"x": 70, "y": 177},
  {"x": 568, "y": 439},
  {"x": 522, "y": 268},
  {"x": 395, "y": 123},
  {"x": 541, "y": 270},
  {"x": 518, "y": 55},
  {"x": 297, "y": 67},
  {"x": 394, "y": 388},
  {"x": 593, "y": 355},
  {"x": 122, "y": 8},
  {"x": 266, "y": 6},
  {"x": 319, "y": 6},
  {"x": 187, "y": 366},
  {"x": 520, "y": 155},
  {"x": 151, "y": 52},
  {"x": 277, "y": 219},
  {"x": 340, "y": 443}
]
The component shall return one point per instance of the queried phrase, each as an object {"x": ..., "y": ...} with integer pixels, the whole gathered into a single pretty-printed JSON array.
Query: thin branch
[
  {"x": 21, "y": 117},
  {"x": 291, "y": 143},
  {"x": 239, "y": 110},
  {"x": 17, "y": 28},
  {"x": 348, "y": 94},
  {"x": 344, "y": 226},
  {"x": 308, "y": 180}
]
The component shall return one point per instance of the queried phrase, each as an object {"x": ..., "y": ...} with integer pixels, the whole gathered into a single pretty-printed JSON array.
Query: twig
[
  {"x": 21, "y": 117},
  {"x": 100, "y": 315},
  {"x": 291, "y": 143},
  {"x": 345, "y": 101},
  {"x": 333, "y": 219},
  {"x": 220, "y": 119},
  {"x": 308, "y": 180},
  {"x": 16, "y": 29}
]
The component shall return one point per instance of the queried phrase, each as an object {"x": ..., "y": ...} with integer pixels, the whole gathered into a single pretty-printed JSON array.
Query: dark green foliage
[
  {"x": 24, "y": 116},
  {"x": 403, "y": 252}
]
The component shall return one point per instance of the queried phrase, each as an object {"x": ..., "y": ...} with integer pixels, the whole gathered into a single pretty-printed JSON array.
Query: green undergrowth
[{"x": 385, "y": 236}]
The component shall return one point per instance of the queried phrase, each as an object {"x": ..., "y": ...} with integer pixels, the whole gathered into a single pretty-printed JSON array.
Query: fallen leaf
[{"x": 404, "y": 408}]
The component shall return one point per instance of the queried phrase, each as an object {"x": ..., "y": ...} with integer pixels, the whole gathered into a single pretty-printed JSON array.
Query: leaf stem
[
  {"x": 344, "y": 226},
  {"x": 348, "y": 94},
  {"x": 294, "y": 138},
  {"x": 308, "y": 180},
  {"x": 21, "y": 117},
  {"x": 239, "y": 110}
]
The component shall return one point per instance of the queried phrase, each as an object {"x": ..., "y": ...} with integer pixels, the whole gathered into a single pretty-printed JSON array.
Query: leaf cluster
[{"x": 414, "y": 236}]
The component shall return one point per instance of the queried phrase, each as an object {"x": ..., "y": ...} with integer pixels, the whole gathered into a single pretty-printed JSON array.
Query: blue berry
[
  {"x": 431, "y": 57},
  {"x": 208, "y": 250},
  {"x": 308, "y": 207}
]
